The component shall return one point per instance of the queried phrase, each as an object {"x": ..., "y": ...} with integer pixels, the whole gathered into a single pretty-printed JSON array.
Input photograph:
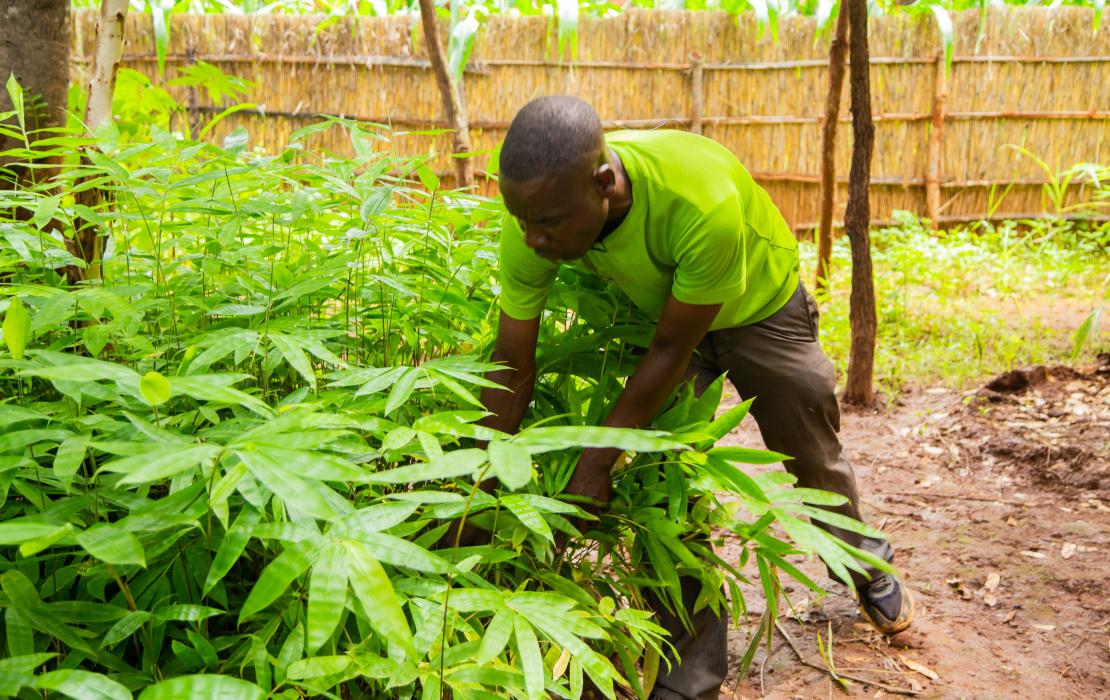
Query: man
[{"x": 678, "y": 224}]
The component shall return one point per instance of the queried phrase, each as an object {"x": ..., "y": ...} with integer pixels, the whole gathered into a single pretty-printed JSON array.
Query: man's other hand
[{"x": 593, "y": 479}]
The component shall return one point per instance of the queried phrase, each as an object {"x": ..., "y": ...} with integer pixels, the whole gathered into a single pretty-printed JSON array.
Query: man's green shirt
[{"x": 699, "y": 228}]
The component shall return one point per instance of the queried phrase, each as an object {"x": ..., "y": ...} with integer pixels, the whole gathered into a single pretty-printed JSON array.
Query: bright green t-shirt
[{"x": 699, "y": 228}]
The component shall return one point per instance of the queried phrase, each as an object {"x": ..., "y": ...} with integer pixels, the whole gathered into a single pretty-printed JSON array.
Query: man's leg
[
  {"x": 780, "y": 362},
  {"x": 703, "y": 650}
]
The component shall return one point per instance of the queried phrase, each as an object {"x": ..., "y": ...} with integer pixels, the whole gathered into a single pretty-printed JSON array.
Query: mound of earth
[{"x": 1050, "y": 425}]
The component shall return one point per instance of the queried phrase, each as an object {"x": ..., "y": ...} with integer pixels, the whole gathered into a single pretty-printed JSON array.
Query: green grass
[{"x": 957, "y": 306}]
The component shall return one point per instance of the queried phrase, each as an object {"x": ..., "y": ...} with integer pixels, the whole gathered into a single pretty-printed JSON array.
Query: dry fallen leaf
[
  {"x": 990, "y": 600},
  {"x": 920, "y": 668},
  {"x": 1068, "y": 550},
  {"x": 560, "y": 666},
  {"x": 1009, "y": 616},
  {"x": 1032, "y": 555},
  {"x": 993, "y": 579},
  {"x": 1044, "y": 628}
]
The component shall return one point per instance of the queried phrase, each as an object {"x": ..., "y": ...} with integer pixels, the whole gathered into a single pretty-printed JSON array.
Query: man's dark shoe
[{"x": 886, "y": 604}]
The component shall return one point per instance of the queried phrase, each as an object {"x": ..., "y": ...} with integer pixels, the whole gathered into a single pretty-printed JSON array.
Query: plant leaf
[
  {"x": 232, "y": 547},
  {"x": 155, "y": 388},
  {"x": 498, "y": 632},
  {"x": 530, "y": 660},
  {"x": 278, "y": 574},
  {"x": 327, "y": 592},
  {"x": 548, "y": 438},
  {"x": 511, "y": 463},
  {"x": 203, "y": 687},
  {"x": 375, "y": 591},
  {"x": 450, "y": 465},
  {"x": 1087, "y": 329},
  {"x": 112, "y": 544},
  {"x": 17, "y": 328},
  {"x": 401, "y": 391},
  {"x": 83, "y": 685},
  {"x": 168, "y": 461},
  {"x": 528, "y": 516}
]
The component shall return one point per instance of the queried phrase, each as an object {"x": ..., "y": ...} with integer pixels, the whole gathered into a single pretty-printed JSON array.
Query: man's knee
[{"x": 808, "y": 387}]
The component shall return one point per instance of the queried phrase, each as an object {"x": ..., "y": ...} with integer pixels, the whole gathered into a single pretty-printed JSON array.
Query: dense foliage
[{"x": 230, "y": 458}]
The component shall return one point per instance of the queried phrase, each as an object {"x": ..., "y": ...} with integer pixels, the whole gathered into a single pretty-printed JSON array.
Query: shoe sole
[{"x": 899, "y": 625}]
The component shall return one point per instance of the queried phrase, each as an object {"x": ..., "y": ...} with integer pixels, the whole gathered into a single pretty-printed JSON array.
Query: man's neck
[{"x": 621, "y": 201}]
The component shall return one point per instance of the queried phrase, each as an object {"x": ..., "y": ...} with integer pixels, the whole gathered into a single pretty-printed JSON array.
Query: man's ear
[{"x": 605, "y": 179}]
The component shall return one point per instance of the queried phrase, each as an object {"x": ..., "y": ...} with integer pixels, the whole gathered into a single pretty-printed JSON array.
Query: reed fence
[{"x": 1028, "y": 77}]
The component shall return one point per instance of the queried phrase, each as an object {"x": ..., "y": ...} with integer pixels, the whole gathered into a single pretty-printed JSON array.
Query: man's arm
[
  {"x": 516, "y": 348},
  {"x": 681, "y": 327}
]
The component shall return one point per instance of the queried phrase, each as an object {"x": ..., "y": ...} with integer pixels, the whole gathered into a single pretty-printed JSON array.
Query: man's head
[{"x": 555, "y": 176}]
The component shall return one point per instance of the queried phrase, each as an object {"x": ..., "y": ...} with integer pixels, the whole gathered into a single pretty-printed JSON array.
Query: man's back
[{"x": 699, "y": 227}]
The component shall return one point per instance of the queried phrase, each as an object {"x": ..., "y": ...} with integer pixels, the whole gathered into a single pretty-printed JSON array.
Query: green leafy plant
[
  {"x": 960, "y": 305},
  {"x": 228, "y": 465}
]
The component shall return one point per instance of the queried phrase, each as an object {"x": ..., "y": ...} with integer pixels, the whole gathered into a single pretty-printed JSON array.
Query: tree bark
[
  {"x": 108, "y": 52},
  {"x": 858, "y": 214},
  {"x": 449, "y": 92},
  {"x": 34, "y": 46},
  {"x": 87, "y": 243},
  {"x": 837, "y": 51}
]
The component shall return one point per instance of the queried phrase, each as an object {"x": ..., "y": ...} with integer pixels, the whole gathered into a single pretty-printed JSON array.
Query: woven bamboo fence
[{"x": 1035, "y": 78}]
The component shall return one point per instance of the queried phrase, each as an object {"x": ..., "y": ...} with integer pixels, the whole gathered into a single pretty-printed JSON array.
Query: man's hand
[
  {"x": 593, "y": 479},
  {"x": 680, "y": 329}
]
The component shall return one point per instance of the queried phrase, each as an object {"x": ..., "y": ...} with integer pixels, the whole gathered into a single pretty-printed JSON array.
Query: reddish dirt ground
[{"x": 998, "y": 504}]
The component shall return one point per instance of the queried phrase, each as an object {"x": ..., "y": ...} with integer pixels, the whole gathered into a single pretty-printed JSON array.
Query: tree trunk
[
  {"x": 34, "y": 46},
  {"x": 108, "y": 52},
  {"x": 837, "y": 51},
  {"x": 449, "y": 92},
  {"x": 87, "y": 243},
  {"x": 857, "y": 217}
]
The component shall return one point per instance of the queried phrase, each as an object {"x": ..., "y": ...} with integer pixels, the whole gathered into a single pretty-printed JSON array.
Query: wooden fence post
[
  {"x": 697, "y": 76},
  {"x": 192, "y": 106},
  {"x": 936, "y": 142}
]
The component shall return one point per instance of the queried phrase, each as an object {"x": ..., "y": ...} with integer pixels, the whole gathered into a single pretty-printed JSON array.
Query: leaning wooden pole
[
  {"x": 936, "y": 142},
  {"x": 449, "y": 92},
  {"x": 837, "y": 52},
  {"x": 857, "y": 217},
  {"x": 87, "y": 244}
]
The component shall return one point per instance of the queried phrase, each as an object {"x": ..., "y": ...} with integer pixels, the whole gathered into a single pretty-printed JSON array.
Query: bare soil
[{"x": 997, "y": 502}]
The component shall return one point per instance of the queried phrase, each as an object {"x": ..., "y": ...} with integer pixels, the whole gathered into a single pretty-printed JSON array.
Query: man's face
[{"x": 561, "y": 215}]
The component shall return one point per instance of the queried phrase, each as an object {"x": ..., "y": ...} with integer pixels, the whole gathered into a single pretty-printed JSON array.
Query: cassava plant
[{"x": 227, "y": 466}]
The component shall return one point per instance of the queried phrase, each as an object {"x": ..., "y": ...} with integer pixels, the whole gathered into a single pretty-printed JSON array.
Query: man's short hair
[{"x": 548, "y": 135}]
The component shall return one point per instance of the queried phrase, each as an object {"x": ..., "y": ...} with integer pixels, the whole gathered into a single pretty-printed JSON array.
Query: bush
[{"x": 228, "y": 463}]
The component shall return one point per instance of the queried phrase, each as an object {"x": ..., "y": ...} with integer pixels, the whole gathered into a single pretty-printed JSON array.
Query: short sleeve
[
  {"x": 710, "y": 264},
  {"x": 526, "y": 278}
]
